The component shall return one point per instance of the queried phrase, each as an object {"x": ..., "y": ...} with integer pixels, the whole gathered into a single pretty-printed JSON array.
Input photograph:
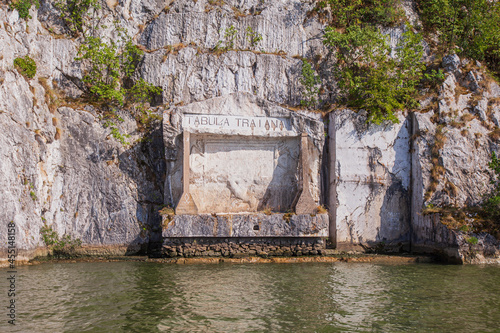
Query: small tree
[
  {"x": 109, "y": 65},
  {"x": 74, "y": 13},
  {"x": 369, "y": 77},
  {"x": 310, "y": 81}
]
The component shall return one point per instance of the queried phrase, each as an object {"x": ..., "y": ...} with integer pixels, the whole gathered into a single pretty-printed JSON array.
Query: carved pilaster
[
  {"x": 186, "y": 204},
  {"x": 305, "y": 203}
]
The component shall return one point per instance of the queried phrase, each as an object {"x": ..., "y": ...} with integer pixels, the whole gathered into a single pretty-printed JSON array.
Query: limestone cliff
[{"x": 61, "y": 165}]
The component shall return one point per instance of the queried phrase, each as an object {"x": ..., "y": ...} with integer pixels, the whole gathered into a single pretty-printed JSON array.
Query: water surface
[{"x": 315, "y": 297}]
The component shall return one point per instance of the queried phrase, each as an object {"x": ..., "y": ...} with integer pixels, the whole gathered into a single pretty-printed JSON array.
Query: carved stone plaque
[{"x": 241, "y": 155}]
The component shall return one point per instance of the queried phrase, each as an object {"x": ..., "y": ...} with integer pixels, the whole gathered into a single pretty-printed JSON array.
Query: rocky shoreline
[{"x": 330, "y": 258}]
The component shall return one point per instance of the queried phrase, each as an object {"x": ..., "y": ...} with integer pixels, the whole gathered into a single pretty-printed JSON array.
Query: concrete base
[{"x": 246, "y": 225}]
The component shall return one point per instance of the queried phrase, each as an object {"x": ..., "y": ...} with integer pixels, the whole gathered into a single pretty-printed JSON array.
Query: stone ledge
[{"x": 246, "y": 225}]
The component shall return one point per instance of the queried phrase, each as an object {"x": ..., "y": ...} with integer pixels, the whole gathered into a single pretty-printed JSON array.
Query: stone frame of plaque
[{"x": 283, "y": 148}]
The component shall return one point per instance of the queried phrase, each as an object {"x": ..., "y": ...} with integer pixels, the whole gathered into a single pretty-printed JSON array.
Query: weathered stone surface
[
  {"x": 187, "y": 76},
  {"x": 60, "y": 166},
  {"x": 247, "y": 225},
  {"x": 451, "y": 62},
  {"x": 242, "y": 247},
  {"x": 282, "y": 29},
  {"x": 464, "y": 176},
  {"x": 373, "y": 180}
]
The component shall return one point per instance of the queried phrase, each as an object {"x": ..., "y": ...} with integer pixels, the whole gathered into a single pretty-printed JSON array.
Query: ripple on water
[{"x": 316, "y": 297}]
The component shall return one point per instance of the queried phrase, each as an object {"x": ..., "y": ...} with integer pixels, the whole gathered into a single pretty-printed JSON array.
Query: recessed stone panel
[{"x": 231, "y": 175}]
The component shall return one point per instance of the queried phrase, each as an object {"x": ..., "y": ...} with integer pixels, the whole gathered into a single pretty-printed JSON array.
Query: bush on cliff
[
  {"x": 109, "y": 69},
  {"x": 74, "y": 13},
  {"x": 23, "y": 7},
  {"x": 26, "y": 66},
  {"x": 471, "y": 27},
  {"x": 369, "y": 76},
  {"x": 63, "y": 246}
]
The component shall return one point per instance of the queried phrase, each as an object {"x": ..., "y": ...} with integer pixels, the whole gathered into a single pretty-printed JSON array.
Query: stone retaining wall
[{"x": 241, "y": 247}]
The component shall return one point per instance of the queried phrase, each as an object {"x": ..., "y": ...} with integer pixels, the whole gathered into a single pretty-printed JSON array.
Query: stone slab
[
  {"x": 246, "y": 225},
  {"x": 238, "y": 125}
]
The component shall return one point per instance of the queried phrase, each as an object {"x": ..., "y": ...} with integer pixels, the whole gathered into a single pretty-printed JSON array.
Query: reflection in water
[
  {"x": 149, "y": 297},
  {"x": 360, "y": 295}
]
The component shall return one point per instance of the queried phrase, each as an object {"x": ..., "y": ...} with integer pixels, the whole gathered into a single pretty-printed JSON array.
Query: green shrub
[
  {"x": 23, "y": 7},
  {"x": 142, "y": 92},
  {"x": 115, "y": 132},
  {"x": 230, "y": 37},
  {"x": 472, "y": 26},
  {"x": 253, "y": 37},
  {"x": 64, "y": 246},
  {"x": 109, "y": 68},
  {"x": 369, "y": 78},
  {"x": 345, "y": 13},
  {"x": 26, "y": 66},
  {"x": 110, "y": 65},
  {"x": 74, "y": 12},
  {"x": 472, "y": 240},
  {"x": 310, "y": 81}
]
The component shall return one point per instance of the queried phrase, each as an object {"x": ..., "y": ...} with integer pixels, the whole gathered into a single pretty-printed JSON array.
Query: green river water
[{"x": 316, "y": 297}]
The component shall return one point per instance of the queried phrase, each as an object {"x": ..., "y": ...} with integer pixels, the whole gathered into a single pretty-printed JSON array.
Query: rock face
[
  {"x": 247, "y": 225},
  {"x": 373, "y": 172},
  {"x": 63, "y": 167},
  {"x": 450, "y": 153},
  {"x": 60, "y": 166}
]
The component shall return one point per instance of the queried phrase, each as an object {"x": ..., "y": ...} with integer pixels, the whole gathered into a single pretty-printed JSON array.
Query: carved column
[
  {"x": 305, "y": 203},
  {"x": 186, "y": 205}
]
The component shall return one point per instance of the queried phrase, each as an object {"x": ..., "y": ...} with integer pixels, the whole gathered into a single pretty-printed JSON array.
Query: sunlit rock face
[
  {"x": 373, "y": 172},
  {"x": 61, "y": 166}
]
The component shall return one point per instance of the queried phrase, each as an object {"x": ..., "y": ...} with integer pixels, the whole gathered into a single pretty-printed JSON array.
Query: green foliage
[
  {"x": 369, "y": 74},
  {"x": 115, "y": 132},
  {"x": 369, "y": 78},
  {"x": 142, "y": 91},
  {"x": 110, "y": 64},
  {"x": 105, "y": 71},
  {"x": 230, "y": 37},
  {"x": 74, "y": 12},
  {"x": 33, "y": 195},
  {"x": 26, "y": 66},
  {"x": 253, "y": 37},
  {"x": 310, "y": 81},
  {"x": 63, "y": 246},
  {"x": 23, "y": 7},
  {"x": 472, "y": 240},
  {"x": 354, "y": 12},
  {"x": 471, "y": 25},
  {"x": 491, "y": 205},
  {"x": 433, "y": 78},
  {"x": 49, "y": 236},
  {"x": 495, "y": 165}
]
